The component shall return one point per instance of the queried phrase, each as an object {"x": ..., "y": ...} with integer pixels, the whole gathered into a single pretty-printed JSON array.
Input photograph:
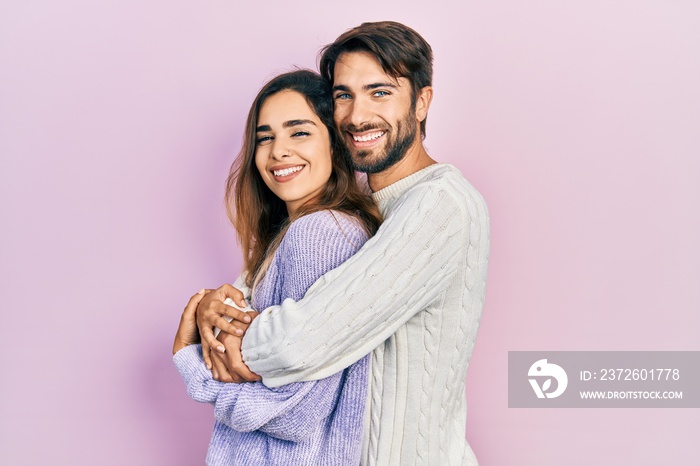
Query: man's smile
[{"x": 366, "y": 139}]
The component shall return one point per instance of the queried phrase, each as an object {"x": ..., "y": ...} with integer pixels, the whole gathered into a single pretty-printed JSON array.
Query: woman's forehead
[{"x": 284, "y": 106}]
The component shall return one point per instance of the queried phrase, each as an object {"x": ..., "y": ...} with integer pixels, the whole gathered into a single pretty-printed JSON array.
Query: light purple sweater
[{"x": 302, "y": 423}]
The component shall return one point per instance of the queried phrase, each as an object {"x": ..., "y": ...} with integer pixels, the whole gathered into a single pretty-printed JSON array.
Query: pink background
[{"x": 578, "y": 121}]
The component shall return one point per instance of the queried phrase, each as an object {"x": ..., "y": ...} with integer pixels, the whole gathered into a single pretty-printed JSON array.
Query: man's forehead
[{"x": 362, "y": 68}]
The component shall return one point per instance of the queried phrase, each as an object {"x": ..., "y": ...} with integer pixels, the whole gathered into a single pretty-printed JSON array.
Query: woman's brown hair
[{"x": 258, "y": 215}]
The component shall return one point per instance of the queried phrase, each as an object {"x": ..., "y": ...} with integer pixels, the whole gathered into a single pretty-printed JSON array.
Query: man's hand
[
  {"x": 229, "y": 366},
  {"x": 210, "y": 313}
]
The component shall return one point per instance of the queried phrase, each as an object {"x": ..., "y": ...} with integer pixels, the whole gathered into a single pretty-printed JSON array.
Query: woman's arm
[
  {"x": 313, "y": 245},
  {"x": 291, "y": 412}
]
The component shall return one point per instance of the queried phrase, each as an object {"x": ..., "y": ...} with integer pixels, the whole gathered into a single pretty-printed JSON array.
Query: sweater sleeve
[
  {"x": 357, "y": 306},
  {"x": 290, "y": 412},
  {"x": 313, "y": 245}
]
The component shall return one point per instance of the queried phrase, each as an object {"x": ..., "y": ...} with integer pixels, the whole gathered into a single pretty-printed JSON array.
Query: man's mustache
[{"x": 360, "y": 129}]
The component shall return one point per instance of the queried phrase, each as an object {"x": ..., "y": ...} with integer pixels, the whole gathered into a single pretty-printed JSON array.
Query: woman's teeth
[{"x": 287, "y": 171}]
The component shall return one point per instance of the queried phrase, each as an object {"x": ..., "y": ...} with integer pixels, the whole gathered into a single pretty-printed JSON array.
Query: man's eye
[
  {"x": 263, "y": 139},
  {"x": 381, "y": 93},
  {"x": 342, "y": 96}
]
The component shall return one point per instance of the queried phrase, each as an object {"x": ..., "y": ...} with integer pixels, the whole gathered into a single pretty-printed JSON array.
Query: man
[{"x": 412, "y": 296}]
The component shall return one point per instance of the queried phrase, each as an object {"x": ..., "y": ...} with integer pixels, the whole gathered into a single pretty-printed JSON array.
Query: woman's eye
[
  {"x": 300, "y": 134},
  {"x": 263, "y": 139}
]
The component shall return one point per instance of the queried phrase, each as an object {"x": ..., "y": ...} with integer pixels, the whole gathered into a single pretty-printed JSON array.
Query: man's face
[{"x": 373, "y": 111}]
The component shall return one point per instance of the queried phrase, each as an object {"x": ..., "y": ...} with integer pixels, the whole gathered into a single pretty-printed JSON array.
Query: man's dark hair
[{"x": 400, "y": 50}]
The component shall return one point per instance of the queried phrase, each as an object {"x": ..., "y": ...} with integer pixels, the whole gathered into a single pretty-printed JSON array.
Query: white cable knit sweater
[{"x": 413, "y": 296}]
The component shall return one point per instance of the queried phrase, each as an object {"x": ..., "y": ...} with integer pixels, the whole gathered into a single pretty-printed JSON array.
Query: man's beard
[{"x": 394, "y": 151}]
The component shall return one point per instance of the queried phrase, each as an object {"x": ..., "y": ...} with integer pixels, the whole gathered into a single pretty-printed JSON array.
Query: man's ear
[{"x": 423, "y": 99}]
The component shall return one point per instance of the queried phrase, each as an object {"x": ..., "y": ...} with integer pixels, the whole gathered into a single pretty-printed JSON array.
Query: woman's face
[{"x": 293, "y": 149}]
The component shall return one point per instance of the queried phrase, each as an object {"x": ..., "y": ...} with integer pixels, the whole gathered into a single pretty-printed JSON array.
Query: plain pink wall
[{"x": 578, "y": 121}]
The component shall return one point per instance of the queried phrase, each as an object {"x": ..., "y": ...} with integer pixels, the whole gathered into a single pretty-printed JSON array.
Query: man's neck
[{"x": 415, "y": 160}]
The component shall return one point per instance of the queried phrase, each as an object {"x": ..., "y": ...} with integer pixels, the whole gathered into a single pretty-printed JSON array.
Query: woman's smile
[
  {"x": 284, "y": 173},
  {"x": 293, "y": 150}
]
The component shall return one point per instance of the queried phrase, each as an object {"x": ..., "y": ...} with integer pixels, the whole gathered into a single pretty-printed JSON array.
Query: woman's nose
[{"x": 280, "y": 149}]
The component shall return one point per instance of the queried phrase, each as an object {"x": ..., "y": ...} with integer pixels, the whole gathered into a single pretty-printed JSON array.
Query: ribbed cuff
[{"x": 190, "y": 363}]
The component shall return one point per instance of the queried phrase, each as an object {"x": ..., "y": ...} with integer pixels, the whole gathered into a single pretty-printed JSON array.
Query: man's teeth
[
  {"x": 287, "y": 171},
  {"x": 368, "y": 137}
]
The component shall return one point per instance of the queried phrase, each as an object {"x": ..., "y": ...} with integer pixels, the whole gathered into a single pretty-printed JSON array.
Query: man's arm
[{"x": 354, "y": 308}]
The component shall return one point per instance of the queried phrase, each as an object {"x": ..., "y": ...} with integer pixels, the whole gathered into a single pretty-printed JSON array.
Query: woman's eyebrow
[
  {"x": 286, "y": 124},
  {"x": 290, "y": 123}
]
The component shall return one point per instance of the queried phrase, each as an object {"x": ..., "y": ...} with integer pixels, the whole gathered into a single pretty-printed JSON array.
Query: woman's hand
[
  {"x": 187, "y": 333},
  {"x": 210, "y": 313}
]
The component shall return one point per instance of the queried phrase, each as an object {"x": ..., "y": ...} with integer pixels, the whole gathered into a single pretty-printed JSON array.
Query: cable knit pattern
[
  {"x": 301, "y": 423},
  {"x": 414, "y": 296}
]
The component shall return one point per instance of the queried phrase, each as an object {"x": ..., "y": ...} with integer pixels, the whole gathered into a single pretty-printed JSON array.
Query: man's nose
[{"x": 358, "y": 113}]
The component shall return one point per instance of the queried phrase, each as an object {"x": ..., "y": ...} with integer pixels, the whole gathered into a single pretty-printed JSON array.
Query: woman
[{"x": 298, "y": 213}]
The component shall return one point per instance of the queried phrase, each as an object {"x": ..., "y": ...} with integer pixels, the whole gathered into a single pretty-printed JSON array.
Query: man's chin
[{"x": 363, "y": 161}]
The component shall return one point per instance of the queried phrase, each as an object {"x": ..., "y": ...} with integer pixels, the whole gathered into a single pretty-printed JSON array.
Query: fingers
[
  {"x": 210, "y": 310},
  {"x": 209, "y": 341},
  {"x": 219, "y": 370},
  {"x": 242, "y": 371},
  {"x": 237, "y": 372},
  {"x": 206, "y": 355},
  {"x": 187, "y": 332},
  {"x": 240, "y": 328},
  {"x": 234, "y": 293},
  {"x": 232, "y": 312},
  {"x": 206, "y": 329},
  {"x": 237, "y": 328},
  {"x": 234, "y": 360},
  {"x": 232, "y": 328},
  {"x": 191, "y": 306}
]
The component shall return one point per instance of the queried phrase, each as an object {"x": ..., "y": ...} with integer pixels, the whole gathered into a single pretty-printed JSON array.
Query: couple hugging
[{"x": 364, "y": 308}]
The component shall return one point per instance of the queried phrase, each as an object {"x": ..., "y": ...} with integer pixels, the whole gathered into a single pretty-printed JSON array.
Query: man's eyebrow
[
  {"x": 369, "y": 87},
  {"x": 366, "y": 87},
  {"x": 286, "y": 124}
]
